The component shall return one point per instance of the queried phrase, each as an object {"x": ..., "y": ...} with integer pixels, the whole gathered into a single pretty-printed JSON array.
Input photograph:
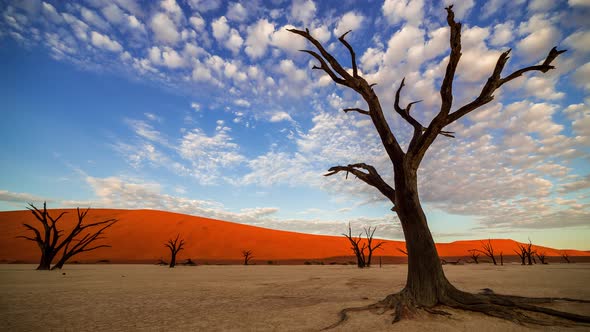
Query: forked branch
[{"x": 367, "y": 174}]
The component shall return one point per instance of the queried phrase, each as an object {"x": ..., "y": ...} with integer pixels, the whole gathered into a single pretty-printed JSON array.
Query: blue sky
[{"x": 206, "y": 107}]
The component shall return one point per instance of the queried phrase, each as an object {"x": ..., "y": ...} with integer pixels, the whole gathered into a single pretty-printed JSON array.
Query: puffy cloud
[
  {"x": 397, "y": 11},
  {"x": 21, "y": 198},
  {"x": 164, "y": 29},
  {"x": 280, "y": 116},
  {"x": 237, "y": 12},
  {"x": 286, "y": 41},
  {"x": 259, "y": 35},
  {"x": 220, "y": 28},
  {"x": 349, "y": 21},
  {"x": 229, "y": 37},
  {"x": 113, "y": 13},
  {"x": 197, "y": 22},
  {"x": 105, "y": 42},
  {"x": 461, "y": 8},
  {"x": 503, "y": 34},
  {"x": 581, "y": 76},
  {"x": 51, "y": 12},
  {"x": 93, "y": 19},
  {"x": 303, "y": 11},
  {"x": 204, "y": 5}
]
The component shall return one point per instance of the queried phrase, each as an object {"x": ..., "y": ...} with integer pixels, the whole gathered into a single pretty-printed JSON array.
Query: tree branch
[
  {"x": 405, "y": 114},
  {"x": 495, "y": 81},
  {"x": 352, "y": 54},
  {"x": 371, "y": 177},
  {"x": 359, "y": 110}
]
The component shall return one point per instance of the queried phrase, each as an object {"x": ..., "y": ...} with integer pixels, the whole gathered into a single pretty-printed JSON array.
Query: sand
[{"x": 256, "y": 298}]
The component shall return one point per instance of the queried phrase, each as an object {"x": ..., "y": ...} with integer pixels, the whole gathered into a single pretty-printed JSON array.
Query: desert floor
[{"x": 253, "y": 298}]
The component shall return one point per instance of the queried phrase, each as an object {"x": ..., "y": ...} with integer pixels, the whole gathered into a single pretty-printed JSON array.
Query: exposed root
[{"x": 518, "y": 309}]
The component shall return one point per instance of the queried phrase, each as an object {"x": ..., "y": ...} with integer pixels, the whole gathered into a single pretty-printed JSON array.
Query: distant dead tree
[
  {"x": 52, "y": 240},
  {"x": 521, "y": 252},
  {"x": 530, "y": 253},
  {"x": 488, "y": 250},
  {"x": 175, "y": 246},
  {"x": 502, "y": 258},
  {"x": 247, "y": 256},
  {"x": 474, "y": 254},
  {"x": 359, "y": 251},
  {"x": 565, "y": 256},
  {"x": 541, "y": 255},
  {"x": 402, "y": 251},
  {"x": 369, "y": 233}
]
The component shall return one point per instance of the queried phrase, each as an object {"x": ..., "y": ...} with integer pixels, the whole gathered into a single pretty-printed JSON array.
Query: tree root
[{"x": 518, "y": 309}]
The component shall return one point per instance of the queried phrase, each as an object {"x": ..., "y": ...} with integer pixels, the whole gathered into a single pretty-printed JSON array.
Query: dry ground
[{"x": 256, "y": 298}]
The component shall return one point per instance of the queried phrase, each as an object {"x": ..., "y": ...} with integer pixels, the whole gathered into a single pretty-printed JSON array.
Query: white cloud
[
  {"x": 237, "y": 12},
  {"x": 349, "y": 21},
  {"x": 204, "y": 5},
  {"x": 197, "y": 22},
  {"x": 51, "y": 12},
  {"x": 397, "y": 11},
  {"x": 258, "y": 38},
  {"x": 93, "y": 19},
  {"x": 105, "y": 42},
  {"x": 303, "y": 11},
  {"x": 503, "y": 33},
  {"x": 280, "y": 116},
  {"x": 164, "y": 29},
  {"x": 220, "y": 28},
  {"x": 460, "y": 8},
  {"x": 287, "y": 41},
  {"x": 21, "y": 198},
  {"x": 580, "y": 3},
  {"x": 541, "y": 5},
  {"x": 113, "y": 13}
]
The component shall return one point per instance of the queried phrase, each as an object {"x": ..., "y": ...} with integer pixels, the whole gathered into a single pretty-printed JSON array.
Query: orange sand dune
[{"x": 139, "y": 236}]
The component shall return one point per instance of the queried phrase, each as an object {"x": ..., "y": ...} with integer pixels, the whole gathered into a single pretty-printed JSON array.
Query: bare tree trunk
[{"x": 426, "y": 280}]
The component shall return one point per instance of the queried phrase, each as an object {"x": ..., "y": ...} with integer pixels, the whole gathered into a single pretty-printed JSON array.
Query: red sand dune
[{"x": 139, "y": 236}]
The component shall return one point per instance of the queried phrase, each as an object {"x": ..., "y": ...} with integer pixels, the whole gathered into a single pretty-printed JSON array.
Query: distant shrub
[
  {"x": 270, "y": 262},
  {"x": 307, "y": 263}
]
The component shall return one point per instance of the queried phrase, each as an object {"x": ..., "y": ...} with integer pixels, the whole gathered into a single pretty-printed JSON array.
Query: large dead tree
[
  {"x": 51, "y": 240},
  {"x": 357, "y": 249},
  {"x": 426, "y": 283},
  {"x": 175, "y": 246},
  {"x": 521, "y": 252}
]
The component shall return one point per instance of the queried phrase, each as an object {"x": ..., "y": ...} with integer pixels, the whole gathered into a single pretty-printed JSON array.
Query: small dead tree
[
  {"x": 247, "y": 254},
  {"x": 565, "y": 256},
  {"x": 488, "y": 250},
  {"x": 502, "y": 258},
  {"x": 474, "y": 254},
  {"x": 542, "y": 256},
  {"x": 52, "y": 240},
  {"x": 359, "y": 251},
  {"x": 175, "y": 246},
  {"x": 369, "y": 233},
  {"x": 521, "y": 252}
]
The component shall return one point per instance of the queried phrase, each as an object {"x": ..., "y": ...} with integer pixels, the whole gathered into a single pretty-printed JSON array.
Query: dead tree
[
  {"x": 565, "y": 256},
  {"x": 474, "y": 254},
  {"x": 502, "y": 258},
  {"x": 530, "y": 253},
  {"x": 52, "y": 240},
  {"x": 370, "y": 247},
  {"x": 426, "y": 283},
  {"x": 488, "y": 250},
  {"x": 521, "y": 252},
  {"x": 542, "y": 257},
  {"x": 247, "y": 254},
  {"x": 405, "y": 252},
  {"x": 357, "y": 249},
  {"x": 175, "y": 246}
]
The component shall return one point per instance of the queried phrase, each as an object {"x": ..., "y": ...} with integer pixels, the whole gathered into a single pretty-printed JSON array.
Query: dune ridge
[{"x": 139, "y": 237}]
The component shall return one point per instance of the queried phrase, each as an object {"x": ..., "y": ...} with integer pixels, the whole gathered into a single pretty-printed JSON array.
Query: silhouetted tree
[
  {"x": 369, "y": 233},
  {"x": 426, "y": 284},
  {"x": 565, "y": 256},
  {"x": 357, "y": 249},
  {"x": 521, "y": 252},
  {"x": 175, "y": 246},
  {"x": 502, "y": 258},
  {"x": 541, "y": 256},
  {"x": 488, "y": 250},
  {"x": 247, "y": 256},
  {"x": 530, "y": 253},
  {"x": 474, "y": 254},
  {"x": 52, "y": 240}
]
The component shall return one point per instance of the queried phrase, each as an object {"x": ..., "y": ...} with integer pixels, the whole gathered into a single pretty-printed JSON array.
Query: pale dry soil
[{"x": 257, "y": 298}]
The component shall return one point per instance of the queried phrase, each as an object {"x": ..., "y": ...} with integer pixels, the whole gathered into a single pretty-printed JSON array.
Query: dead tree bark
[
  {"x": 247, "y": 256},
  {"x": 357, "y": 249},
  {"x": 51, "y": 240},
  {"x": 566, "y": 257},
  {"x": 426, "y": 284},
  {"x": 175, "y": 246},
  {"x": 488, "y": 250},
  {"x": 474, "y": 255},
  {"x": 370, "y": 247}
]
